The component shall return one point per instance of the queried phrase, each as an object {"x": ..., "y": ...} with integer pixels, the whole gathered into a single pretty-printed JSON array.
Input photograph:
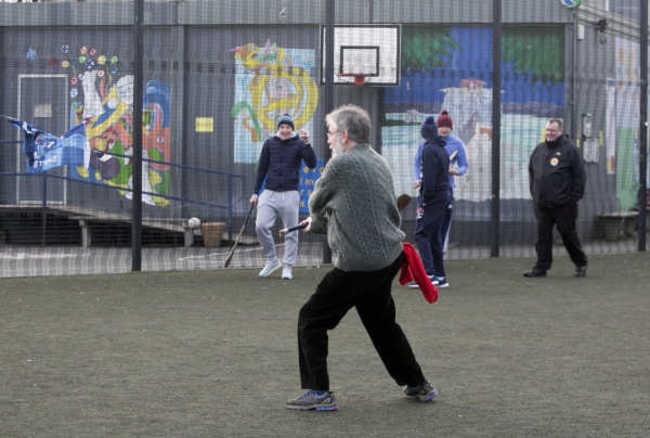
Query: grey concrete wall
[
  {"x": 198, "y": 12},
  {"x": 188, "y": 46}
]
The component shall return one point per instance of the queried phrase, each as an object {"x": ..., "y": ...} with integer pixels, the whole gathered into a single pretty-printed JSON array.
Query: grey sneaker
[
  {"x": 313, "y": 400},
  {"x": 424, "y": 392},
  {"x": 270, "y": 268}
]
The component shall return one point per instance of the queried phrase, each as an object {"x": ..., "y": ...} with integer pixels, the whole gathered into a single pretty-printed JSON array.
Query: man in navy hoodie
[
  {"x": 433, "y": 203},
  {"x": 279, "y": 164}
]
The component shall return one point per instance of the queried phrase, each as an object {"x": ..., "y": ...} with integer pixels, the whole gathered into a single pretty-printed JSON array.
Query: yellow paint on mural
[
  {"x": 204, "y": 124},
  {"x": 93, "y": 129},
  {"x": 272, "y": 69},
  {"x": 305, "y": 88}
]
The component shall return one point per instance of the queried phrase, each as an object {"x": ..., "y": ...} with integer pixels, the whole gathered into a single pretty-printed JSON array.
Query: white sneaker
[
  {"x": 286, "y": 272},
  {"x": 270, "y": 268},
  {"x": 414, "y": 285}
]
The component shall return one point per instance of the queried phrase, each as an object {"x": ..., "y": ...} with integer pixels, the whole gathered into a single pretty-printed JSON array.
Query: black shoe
[
  {"x": 535, "y": 273},
  {"x": 581, "y": 271}
]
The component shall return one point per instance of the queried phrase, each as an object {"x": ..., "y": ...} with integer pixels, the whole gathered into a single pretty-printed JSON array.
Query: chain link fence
[{"x": 215, "y": 77}]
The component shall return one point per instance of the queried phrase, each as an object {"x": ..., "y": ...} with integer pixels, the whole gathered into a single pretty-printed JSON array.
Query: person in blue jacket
[
  {"x": 279, "y": 165},
  {"x": 457, "y": 165},
  {"x": 433, "y": 203}
]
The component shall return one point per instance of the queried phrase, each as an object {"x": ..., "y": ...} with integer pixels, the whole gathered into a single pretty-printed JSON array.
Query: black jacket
[
  {"x": 556, "y": 173},
  {"x": 280, "y": 163},
  {"x": 435, "y": 168}
]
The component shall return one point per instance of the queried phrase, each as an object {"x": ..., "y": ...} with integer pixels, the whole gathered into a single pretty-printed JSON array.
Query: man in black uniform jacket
[{"x": 557, "y": 183}]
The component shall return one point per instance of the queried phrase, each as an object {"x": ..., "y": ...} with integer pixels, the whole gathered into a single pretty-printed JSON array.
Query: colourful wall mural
[
  {"x": 270, "y": 81},
  {"x": 308, "y": 179},
  {"x": 450, "y": 68},
  {"x": 101, "y": 97},
  {"x": 623, "y": 153}
]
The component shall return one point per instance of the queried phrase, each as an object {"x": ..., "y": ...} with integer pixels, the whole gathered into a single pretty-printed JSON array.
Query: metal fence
[{"x": 155, "y": 112}]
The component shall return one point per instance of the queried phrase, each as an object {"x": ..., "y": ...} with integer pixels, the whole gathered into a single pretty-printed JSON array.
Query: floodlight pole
[
  {"x": 643, "y": 126},
  {"x": 328, "y": 92},
  {"x": 136, "y": 219},
  {"x": 496, "y": 126}
]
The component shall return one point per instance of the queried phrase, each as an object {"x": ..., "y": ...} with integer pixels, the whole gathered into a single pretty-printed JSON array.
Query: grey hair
[{"x": 353, "y": 119}]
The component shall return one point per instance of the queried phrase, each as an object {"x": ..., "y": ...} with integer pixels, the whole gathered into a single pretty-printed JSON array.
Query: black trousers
[
  {"x": 430, "y": 238},
  {"x": 565, "y": 219},
  {"x": 370, "y": 294}
]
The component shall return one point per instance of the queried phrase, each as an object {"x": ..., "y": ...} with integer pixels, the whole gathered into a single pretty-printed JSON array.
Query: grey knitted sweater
[{"x": 354, "y": 203}]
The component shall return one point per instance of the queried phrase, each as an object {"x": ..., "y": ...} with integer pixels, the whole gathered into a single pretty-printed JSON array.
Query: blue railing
[{"x": 230, "y": 177}]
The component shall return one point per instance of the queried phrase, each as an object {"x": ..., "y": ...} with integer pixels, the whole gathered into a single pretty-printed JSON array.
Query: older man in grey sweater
[{"x": 354, "y": 203}]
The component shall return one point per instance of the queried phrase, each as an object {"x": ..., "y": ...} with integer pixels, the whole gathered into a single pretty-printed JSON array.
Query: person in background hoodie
[
  {"x": 457, "y": 166},
  {"x": 279, "y": 165},
  {"x": 433, "y": 203}
]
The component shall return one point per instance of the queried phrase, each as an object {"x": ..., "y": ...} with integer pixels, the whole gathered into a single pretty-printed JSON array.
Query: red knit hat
[{"x": 444, "y": 120}]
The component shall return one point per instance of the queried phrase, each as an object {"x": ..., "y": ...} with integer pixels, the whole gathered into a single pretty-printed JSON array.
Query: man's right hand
[
  {"x": 416, "y": 184},
  {"x": 253, "y": 199}
]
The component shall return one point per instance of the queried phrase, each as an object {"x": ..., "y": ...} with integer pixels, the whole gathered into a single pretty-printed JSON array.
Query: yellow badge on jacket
[{"x": 554, "y": 161}]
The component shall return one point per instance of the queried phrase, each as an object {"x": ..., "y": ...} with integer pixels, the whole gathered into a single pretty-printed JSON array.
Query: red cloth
[{"x": 412, "y": 270}]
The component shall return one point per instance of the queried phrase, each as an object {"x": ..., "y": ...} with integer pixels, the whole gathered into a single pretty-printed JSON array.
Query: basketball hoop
[
  {"x": 364, "y": 54},
  {"x": 359, "y": 78}
]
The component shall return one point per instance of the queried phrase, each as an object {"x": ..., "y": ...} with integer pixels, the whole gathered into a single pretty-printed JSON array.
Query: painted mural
[
  {"x": 270, "y": 81},
  {"x": 450, "y": 68},
  {"x": 101, "y": 96},
  {"x": 624, "y": 94},
  {"x": 308, "y": 179}
]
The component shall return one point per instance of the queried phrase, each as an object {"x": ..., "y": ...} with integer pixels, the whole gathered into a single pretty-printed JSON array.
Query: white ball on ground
[{"x": 194, "y": 222}]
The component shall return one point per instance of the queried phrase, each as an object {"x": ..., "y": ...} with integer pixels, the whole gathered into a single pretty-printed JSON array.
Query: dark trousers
[
  {"x": 369, "y": 293},
  {"x": 429, "y": 238},
  {"x": 446, "y": 223},
  {"x": 565, "y": 219}
]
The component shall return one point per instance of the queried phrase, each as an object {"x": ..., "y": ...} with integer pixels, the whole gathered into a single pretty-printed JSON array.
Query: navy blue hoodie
[
  {"x": 435, "y": 165},
  {"x": 280, "y": 163}
]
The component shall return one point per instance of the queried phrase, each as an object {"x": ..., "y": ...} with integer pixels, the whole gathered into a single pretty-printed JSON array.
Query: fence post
[
  {"x": 229, "y": 216},
  {"x": 136, "y": 220},
  {"x": 183, "y": 70},
  {"x": 496, "y": 126},
  {"x": 330, "y": 15},
  {"x": 643, "y": 127},
  {"x": 44, "y": 210}
]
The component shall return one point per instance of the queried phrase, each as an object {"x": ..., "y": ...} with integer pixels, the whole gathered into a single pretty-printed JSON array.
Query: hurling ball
[{"x": 194, "y": 222}]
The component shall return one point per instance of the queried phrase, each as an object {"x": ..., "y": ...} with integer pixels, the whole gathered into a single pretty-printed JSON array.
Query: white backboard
[{"x": 373, "y": 50}]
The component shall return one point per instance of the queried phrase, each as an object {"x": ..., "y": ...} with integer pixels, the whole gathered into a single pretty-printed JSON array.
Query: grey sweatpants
[{"x": 270, "y": 205}]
